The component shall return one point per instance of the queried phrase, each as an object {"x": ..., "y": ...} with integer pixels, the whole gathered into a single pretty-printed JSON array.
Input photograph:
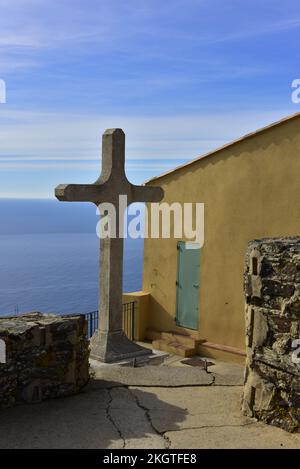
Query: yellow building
[{"x": 251, "y": 190}]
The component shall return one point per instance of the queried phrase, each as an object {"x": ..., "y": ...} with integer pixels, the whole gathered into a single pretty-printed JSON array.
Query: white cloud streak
[
  {"x": 81, "y": 166},
  {"x": 49, "y": 141},
  {"x": 37, "y": 26}
]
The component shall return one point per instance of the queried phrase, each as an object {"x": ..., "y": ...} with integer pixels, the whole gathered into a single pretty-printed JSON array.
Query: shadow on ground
[
  {"x": 146, "y": 408},
  {"x": 96, "y": 418}
]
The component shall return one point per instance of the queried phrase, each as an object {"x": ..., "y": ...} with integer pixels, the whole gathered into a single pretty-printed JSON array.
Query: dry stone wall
[
  {"x": 272, "y": 289},
  {"x": 42, "y": 356}
]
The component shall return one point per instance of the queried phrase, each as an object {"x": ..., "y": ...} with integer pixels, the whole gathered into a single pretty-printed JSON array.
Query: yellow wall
[
  {"x": 142, "y": 310},
  {"x": 250, "y": 190}
]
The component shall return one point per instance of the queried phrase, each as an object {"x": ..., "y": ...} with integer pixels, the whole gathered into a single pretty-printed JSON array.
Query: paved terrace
[{"x": 167, "y": 406}]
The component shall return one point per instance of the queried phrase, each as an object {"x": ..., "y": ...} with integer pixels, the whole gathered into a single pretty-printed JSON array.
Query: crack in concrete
[
  {"x": 127, "y": 386},
  {"x": 213, "y": 377},
  {"x": 172, "y": 386},
  {"x": 147, "y": 412},
  {"x": 229, "y": 385},
  {"x": 163, "y": 434},
  {"x": 167, "y": 441},
  {"x": 110, "y": 417},
  {"x": 211, "y": 426}
]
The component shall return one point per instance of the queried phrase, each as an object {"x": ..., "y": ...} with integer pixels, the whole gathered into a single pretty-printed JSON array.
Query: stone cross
[{"x": 109, "y": 343}]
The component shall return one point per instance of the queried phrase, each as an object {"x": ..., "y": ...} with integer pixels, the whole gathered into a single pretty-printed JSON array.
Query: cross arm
[
  {"x": 147, "y": 193},
  {"x": 79, "y": 192}
]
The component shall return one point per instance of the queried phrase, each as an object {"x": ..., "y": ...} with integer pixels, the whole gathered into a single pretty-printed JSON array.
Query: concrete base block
[{"x": 111, "y": 347}]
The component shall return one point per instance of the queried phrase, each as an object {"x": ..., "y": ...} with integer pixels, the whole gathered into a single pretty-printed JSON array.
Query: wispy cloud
[
  {"x": 81, "y": 166},
  {"x": 46, "y": 140},
  {"x": 148, "y": 30},
  {"x": 181, "y": 77},
  {"x": 256, "y": 30}
]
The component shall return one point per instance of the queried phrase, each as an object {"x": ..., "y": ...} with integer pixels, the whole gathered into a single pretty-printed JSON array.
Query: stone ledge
[{"x": 46, "y": 356}]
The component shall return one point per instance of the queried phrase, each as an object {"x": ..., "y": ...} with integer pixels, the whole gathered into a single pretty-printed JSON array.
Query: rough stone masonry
[
  {"x": 272, "y": 289},
  {"x": 46, "y": 356}
]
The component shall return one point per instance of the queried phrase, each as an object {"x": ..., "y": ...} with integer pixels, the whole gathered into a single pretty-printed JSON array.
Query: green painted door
[{"x": 187, "y": 285}]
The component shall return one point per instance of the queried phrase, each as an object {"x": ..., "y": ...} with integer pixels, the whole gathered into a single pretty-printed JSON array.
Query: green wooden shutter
[{"x": 187, "y": 285}]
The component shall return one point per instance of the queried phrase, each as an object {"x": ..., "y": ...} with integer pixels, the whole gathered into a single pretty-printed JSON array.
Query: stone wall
[
  {"x": 46, "y": 357},
  {"x": 272, "y": 289}
]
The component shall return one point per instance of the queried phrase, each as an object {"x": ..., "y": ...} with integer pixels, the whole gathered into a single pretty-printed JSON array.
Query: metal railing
[
  {"x": 92, "y": 320},
  {"x": 128, "y": 320}
]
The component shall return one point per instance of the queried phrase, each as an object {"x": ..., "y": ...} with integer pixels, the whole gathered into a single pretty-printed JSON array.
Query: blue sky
[{"x": 180, "y": 77}]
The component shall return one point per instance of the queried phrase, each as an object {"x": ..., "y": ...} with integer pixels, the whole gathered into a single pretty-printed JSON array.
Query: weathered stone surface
[
  {"x": 109, "y": 343},
  {"x": 272, "y": 289},
  {"x": 46, "y": 356}
]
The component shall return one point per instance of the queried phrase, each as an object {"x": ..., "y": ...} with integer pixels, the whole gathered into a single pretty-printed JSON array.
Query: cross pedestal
[{"x": 109, "y": 343}]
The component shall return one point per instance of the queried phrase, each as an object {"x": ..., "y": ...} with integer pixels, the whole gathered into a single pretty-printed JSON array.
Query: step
[
  {"x": 183, "y": 339},
  {"x": 153, "y": 335},
  {"x": 174, "y": 347},
  {"x": 170, "y": 336}
]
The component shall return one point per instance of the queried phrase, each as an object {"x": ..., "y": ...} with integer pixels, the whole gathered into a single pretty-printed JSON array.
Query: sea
[{"x": 49, "y": 257}]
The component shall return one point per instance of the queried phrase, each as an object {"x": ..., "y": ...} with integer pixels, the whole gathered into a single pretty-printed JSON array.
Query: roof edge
[{"x": 223, "y": 147}]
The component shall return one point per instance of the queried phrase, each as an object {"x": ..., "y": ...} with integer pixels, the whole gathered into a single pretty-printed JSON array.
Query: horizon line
[{"x": 26, "y": 198}]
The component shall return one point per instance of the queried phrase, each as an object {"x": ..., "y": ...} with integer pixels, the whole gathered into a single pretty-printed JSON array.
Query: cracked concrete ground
[{"x": 168, "y": 406}]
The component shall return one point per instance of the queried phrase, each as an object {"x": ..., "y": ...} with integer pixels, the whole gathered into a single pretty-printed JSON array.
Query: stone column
[{"x": 272, "y": 291}]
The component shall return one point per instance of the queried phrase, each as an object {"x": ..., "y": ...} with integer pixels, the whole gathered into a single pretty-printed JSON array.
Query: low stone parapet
[{"x": 43, "y": 356}]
